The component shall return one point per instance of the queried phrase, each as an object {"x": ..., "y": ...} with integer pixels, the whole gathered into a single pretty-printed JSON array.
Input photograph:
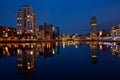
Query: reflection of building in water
[
  {"x": 26, "y": 60},
  {"x": 93, "y": 53},
  {"x": 7, "y": 50},
  {"x": 115, "y": 50},
  {"x": 103, "y": 47},
  {"x": 71, "y": 43},
  {"x": 47, "y": 49},
  {"x": 113, "y": 46},
  {"x": 26, "y": 53}
]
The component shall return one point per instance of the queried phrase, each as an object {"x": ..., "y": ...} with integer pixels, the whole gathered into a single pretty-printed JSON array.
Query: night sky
[{"x": 72, "y": 16}]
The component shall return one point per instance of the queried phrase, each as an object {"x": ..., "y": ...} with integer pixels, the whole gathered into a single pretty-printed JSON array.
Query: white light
[
  {"x": 28, "y": 67},
  {"x": 18, "y": 51},
  {"x": 19, "y": 65},
  {"x": 32, "y": 38},
  {"x": 53, "y": 52},
  {"x": 18, "y": 33},
  {"x": 116, "y": 47},
  {"x": 53, "y": 28},
  {"x": 31, "y": 52},
  {"x": 63, "y": 45},
  {"x": 6, "y": 35},
  {"x": 18, "y": 18},
  {"x": 93, "y": 24},
  {"x": 76, "y": 34},
  {"x": 6, "y": 48},
  {"x": 76, "y": 46},
  {"x": 31, "y": 46},
  {"x": 28, "y": 63},
  {"x": 28, "y": 16}
]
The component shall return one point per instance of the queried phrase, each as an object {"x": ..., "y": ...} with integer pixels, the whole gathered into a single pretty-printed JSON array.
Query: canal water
[{"x": 60, "y": 61}]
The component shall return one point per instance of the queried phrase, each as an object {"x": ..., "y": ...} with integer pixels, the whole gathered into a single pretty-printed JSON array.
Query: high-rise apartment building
[
  {"x": 93, "y": 25},
  {"x": 25, "y": 21}
]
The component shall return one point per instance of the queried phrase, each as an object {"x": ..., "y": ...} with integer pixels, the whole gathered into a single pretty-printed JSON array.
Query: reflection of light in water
[
  {"x": 63, "y": 45},
  {"x": 100, "y": 46},
  {"x": 56, "y": 44},
  {"x": 76, "y": 46},
  {"x": 20, "y": 65},
  {"x": 116, "y": 47},
  {"x": 6, "y": 48},
  {"x": 53, "y": 51},
  {"x": 107, "y": 46},
  {"x": 18, "y": 51},
  {"x": 28, "y": 64},
  {"x": 108, "y": 43},
  {"x": 31, "y": 46},
  {"x": 48, "y": 45}
]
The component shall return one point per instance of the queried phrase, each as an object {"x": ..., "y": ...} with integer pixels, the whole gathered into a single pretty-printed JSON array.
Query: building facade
[
  {"x": 26, "y": 22},
  {"x": 93, "y": 25},
  {"x": 104, "y": 33},
  {"x": 7, "y": 32},
  {"x": 48, "y": 32},
  {"x": 115, "y": 31}
]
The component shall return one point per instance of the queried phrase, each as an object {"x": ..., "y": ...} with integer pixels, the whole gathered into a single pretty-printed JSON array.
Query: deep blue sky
[{"x": 72, "y": 16}]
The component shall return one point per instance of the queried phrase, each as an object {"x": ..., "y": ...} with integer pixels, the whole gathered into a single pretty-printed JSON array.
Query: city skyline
[{"x": 70, "y": 16}]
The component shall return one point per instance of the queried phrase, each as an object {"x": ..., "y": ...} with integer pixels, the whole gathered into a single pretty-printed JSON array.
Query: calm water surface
[{"x": 59, "y": 61}]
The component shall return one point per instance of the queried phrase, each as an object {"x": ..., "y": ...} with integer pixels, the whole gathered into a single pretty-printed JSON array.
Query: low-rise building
[
  {"x": 104, "y": 33},
  {"x": 48, "y": 32},
  {"x": 7, "y": 32},
  {"x": 115, "y": 31}
]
